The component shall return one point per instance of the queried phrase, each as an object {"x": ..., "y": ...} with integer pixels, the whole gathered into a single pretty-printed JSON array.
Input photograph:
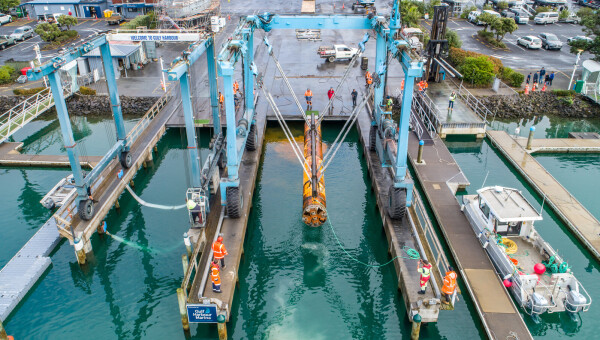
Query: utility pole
[
  {"x": 164, "y": 84},
  {"x": 38, "y": 56},
  {"x": 574, "y": 68}
]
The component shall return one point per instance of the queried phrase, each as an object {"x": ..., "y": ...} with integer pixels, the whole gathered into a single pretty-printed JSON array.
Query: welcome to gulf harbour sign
[{"x": 154, "y": 37}]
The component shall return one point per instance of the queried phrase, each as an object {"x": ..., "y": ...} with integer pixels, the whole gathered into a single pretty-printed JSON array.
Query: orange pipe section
[{"x": 314, "y": 212}]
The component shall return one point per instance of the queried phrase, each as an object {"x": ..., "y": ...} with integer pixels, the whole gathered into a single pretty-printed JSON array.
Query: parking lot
[{"x": 23, "y": 51}]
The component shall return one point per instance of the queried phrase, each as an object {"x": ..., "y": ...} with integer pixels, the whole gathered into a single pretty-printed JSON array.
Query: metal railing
[
  {"x": 428, "y": 111},
  {"x": 85, "y": 79},
  {"x": 29, "y": 109},
  {"x": 141, "y": 126},
  {"x": 472, "y": 102}
]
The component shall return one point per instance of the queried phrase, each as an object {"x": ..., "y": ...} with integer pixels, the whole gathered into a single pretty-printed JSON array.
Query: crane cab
[{"x": 197, "y": 206}]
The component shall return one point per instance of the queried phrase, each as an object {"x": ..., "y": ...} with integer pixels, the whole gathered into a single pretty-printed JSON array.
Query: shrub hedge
[
  {"x": 28, "y": 92},
  {"x": 86, "y": 91}
]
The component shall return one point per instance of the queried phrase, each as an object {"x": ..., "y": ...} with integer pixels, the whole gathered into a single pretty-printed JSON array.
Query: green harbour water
[{"x": 295, "y": 281}]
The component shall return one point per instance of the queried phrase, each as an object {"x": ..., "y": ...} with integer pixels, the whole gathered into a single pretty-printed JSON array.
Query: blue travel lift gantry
[
  {"x": 383, "y": 127},
  {"x": 202, "y": 181},
  {"x": 85, "y": 204}
]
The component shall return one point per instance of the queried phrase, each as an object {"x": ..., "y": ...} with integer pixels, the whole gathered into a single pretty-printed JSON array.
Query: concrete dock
[
  {"x": 579, "y": 220},
  {"x": 11, "y": 157},
  {"x": 399, "y": 235},
  {"x": 440, "y": 176},
  {"x": 560, "y": 145}
]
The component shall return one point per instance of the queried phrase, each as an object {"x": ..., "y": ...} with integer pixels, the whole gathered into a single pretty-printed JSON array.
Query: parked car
[
  {"x": 6, "y": 41},
  {"x": 518, "y": 16},
  {"x": 546, "y": 18},
  {"x": 572, "y": 18},
  {"x": 5, "y": 18},
  {"x": 550, "y": 41},
  {"x": 22, "y": 33},
  {"x": 579, "y": 37},
  {"x": 521, "y": 17},
  {"x": 530, "y": 42},
  {"x": 475, "y": 14},
  {"x": 335, "y": 52}
]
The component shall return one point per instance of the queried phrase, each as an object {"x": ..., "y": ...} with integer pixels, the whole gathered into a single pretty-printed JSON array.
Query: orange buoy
[{"x": 515, "y": 261}]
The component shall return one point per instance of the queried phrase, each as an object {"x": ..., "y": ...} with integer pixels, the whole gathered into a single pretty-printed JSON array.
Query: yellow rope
[{"x": 511, "y": 246}]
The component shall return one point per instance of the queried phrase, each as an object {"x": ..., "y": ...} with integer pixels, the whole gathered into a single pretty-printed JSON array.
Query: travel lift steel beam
[
  {"x": 179, "y": 71},
  {"x": 241, "y": 44},
  {"x": 85, "y": 205}
]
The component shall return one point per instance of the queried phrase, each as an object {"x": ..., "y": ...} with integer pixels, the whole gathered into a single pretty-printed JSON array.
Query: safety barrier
[
  {"x": 147, "y": 118},
  {"x": 472, "y": 102}
]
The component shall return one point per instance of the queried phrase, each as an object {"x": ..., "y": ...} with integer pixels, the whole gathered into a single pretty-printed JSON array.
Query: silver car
[
  {"x": 22, "y": 33},
  {"x": 530, "y": 42},
  {"x": 550, "y": 41}
]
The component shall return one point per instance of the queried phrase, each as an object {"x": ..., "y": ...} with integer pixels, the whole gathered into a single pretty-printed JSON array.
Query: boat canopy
[{"x": 508, "y": 205}]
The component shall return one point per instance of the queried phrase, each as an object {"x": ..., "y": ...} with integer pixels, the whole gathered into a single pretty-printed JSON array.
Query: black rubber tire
[
  {"x": 126, "y": 159},
  {"x": 252, "y": 140},
  {"x": 86, "y": 210},
  {"x": 373, "y": 138},
  {"x": 397, "y": 203},
  {"x": 331, "y": 59},
  {"x": 234, "y": 202}
]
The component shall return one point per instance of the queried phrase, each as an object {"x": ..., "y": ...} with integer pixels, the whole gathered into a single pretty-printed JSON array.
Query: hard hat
[
  {"x": 220, "y": 239},
  {"x": 191, "y": 204}
]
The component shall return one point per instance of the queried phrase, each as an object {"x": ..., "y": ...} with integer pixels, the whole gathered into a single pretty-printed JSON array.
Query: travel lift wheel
[
  {"x": 252, "y": 140},
  {"x": 86, "y": 209},
  {"x": 234, "y": 202},
  {"x": 372, "y": 138},
  {"x": 222, "y": 162},
  {"x": 397, "y": 203},
  {"x": 126, "y": 159}
]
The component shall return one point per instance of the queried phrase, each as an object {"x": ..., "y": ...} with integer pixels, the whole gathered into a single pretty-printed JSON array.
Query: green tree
[
  {"x": 590, "y": 19},
  {"x": 502, "y": 5},
  {"x": 48, "y": 32},
  {"x": 466, "y": 11},
  {"x": 412, "y": 17},
  {"x": 5, "y": 5},
  {"x": 503, "y": 26},
  {"x": 67, "y": 20},
  {"x": 487, "y": 19},
  {"x": 453, "y": 39},
  {"x": 479, "y": 71}
]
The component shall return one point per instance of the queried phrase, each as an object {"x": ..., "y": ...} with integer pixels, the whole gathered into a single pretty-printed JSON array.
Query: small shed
[
  {"x": 591, "y": 79},
  {"x": 124, "y": 56},
  {"x": 40, "y": 9}
]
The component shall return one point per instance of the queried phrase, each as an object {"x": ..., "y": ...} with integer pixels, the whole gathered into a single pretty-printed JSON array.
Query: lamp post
[
  {"x": 38, "y": 56},
  {"x": 574, "y": 68},
  {"x": 164, "y": 84}
]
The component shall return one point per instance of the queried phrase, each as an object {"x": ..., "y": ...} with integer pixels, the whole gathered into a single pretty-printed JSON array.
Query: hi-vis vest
[
  {"x": 425, "y": 272},
  {"x": 219, "y": 250},
  {"x": 449, "y": 283},
  {"x": 452, "y": 97},
  {"x": 214, "y": 275},
  {"x": 308, "y": 93}
]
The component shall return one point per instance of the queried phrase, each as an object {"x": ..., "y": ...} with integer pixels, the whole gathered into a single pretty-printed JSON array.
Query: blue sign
[{"x": 202, "y": 313}]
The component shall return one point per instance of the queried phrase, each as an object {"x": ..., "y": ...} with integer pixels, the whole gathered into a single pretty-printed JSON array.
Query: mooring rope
[
  {"x": 413, "y": 254},
  {"x": 152, "y": 205}
]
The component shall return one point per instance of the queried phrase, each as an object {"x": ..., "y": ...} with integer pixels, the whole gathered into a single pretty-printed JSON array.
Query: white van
[{"x": 546, "y": 18}]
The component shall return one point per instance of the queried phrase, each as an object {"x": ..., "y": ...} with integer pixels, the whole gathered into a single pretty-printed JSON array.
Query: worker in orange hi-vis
[
  {"x": 425, "y": 85},
  {"x": 402, "y": 85},
  {"x": 308, "y": 96},
  {"x": 215, "y": 276},
  {"x": 449, "y": 285},
  {"x": 219, "y": 251},
  {"x": 420, "y": 86},
  {"x": 236, "y": 87},
  {"x": 221, "y": 100}
]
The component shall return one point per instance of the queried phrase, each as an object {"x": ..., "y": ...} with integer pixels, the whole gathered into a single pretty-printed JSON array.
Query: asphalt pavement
[{"x": 23, "y": 51}]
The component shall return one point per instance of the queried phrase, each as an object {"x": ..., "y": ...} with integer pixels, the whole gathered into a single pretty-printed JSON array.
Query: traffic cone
[
  {"x": 228, "y": 17},
  {"x": 527, "y": 89},
  {"x": 544, "y": 88},
  {"x": 534, "y": 87},
  {"x": 343, "y": 6}
]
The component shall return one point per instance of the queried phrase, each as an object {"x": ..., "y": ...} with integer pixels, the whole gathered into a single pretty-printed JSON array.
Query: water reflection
[{"x": 547, "y": 127}]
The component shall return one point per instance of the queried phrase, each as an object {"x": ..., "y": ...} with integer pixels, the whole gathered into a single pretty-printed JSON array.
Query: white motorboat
[{"x": 538, "y": 278}]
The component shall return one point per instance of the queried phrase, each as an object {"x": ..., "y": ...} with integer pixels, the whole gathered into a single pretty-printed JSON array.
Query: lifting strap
[{"x": 152, "y": 205}]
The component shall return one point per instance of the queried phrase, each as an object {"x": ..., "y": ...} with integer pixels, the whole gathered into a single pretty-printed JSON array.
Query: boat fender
[
  {"x": 507, "y": 277},
  {"x": 486, "y": 244},
  {"x": 507, "y": 283}
]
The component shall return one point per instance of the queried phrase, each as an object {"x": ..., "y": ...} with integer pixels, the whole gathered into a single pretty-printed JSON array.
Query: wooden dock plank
[
  {"x": 559, "y": 145},
  {"x": 579, "y": 220},
  {"x": 439, "y": 170}
]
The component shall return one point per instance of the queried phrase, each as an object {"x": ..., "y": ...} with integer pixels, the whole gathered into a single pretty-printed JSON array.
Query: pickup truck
[
  {"x": 6, "y": 41},
  {"x": 115, "y": 19},
  {"x": 332, "y": 53}
]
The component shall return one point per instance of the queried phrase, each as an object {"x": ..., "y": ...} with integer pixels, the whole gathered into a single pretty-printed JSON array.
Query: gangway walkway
[
  {"x": 14, "y": 119},
  {"x": 581, "y": 222},
  {"x": 11, "y": 157},
  {"x": 440, "y": 176}
]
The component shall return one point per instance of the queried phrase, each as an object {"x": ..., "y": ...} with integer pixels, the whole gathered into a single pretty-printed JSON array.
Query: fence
[{"x": 472, "y": 102}]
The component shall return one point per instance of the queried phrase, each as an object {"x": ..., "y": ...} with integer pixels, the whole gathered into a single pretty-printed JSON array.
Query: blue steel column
[
  {"x": 67, "y": 131},
  {"x": 109, "y": 72},
  {"x": 402, "y": 152},
  {"x": 380, "y": 57},
  {"x": 190, "y": 129},
  {"x": 232, "y": 153},
  {"x": 212, "y": 81},
  {"x": 248, "y": 75}
]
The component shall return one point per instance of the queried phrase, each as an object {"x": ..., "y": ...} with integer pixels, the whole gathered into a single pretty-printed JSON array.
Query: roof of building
[
  {"x": 61, "y": 2},
  {"x": 116, "y": 50},
  {"x": 508, "y": 205}
]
